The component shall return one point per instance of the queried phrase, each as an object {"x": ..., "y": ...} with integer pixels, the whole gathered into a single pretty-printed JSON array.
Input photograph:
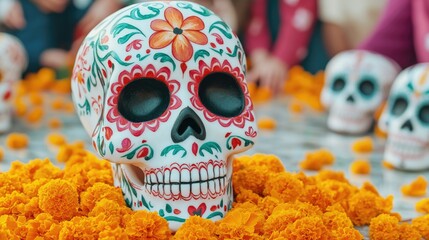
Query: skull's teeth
[
  {"x": 405, "y": 147},
  {"x": 187, "y": 181}
]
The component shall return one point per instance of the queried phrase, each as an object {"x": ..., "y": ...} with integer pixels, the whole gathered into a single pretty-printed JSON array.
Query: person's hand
[
  {"x": 99, "y": 10},
  {"x": 271, "y": 73},
  {"x": 14, "y": 19},
  {"x": 54, "y": 58},
  {"x": 48, "y": 6}
]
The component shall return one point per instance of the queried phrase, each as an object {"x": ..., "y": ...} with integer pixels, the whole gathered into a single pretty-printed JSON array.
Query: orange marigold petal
[
  {"x": 182, "y": 48},
  {"x": 174, "y": 17},
  {"x": 192, "y": 23},
  {"x": 196, "y": 37},
  {"x": 160, "y": 25},
  {"x": 161, "y": 39}
]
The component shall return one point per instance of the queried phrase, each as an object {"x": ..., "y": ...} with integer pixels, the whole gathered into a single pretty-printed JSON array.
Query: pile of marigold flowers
[{"x": 41, "y": 201}]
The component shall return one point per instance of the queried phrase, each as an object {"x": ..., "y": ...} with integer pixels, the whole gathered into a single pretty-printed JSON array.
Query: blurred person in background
[
  {"x": 48, "y": 28},
  {"x": 277, "y": 38},
  {"x": 347, "y": 23}
]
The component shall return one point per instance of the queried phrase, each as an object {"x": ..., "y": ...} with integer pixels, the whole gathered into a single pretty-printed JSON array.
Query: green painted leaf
[
  {"x": 234, "y": 53},
  {"x": 165, "y": 58},
  {"x": 134, "y": 191},
  {"x": 201, "y": 53},
  {"x": 221, "y": 203},
  {"x": 215, "y": 214},
  {"x": 174, "y": 219},
  {"x": 208, "y": 146},
  {"x": 161, "y": 213},
  {"x": 222, "y": 27},
  {"x": 128, "y": 202},
  {"x": 111, "y": 148},
  {"x": 150, "y": 155},
  {"x": 203, "y": 11},
  {"x": 145, "y": 203},
  {"x": 175, "y": 148},
  {"x": 168, "y": 208},
  {"x": 124, "y": 39}
]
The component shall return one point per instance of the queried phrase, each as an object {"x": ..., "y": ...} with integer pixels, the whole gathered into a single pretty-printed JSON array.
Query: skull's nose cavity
[
  {"x": 350, "y": 99},
  {"x": 408, "y": 125},
  {"x": 188, "y": 124}
]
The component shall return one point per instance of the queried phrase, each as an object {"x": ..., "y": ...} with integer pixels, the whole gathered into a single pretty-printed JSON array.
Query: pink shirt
[
  {"x": 297, "y": 21},
  {"x": 402, "y": 32}
]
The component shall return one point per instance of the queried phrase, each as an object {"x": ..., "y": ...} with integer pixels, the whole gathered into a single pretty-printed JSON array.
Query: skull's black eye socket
[
  {"x": 399, "y": 106},
  {"x": 424, "y": 114},
  {"x": 338, "y": 84},
  {"x": 143, "y": 100},
  {"x": 221, "y": 94},
  {"x": 367, "y": 88}
]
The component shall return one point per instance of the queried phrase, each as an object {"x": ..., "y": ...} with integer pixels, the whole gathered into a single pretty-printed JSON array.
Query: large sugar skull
[
  {"x": 406, "y": 120},
  {"x": 13, "y": 61},
  {"x": 356, "y": 84},
  {"x": 160, "y": 87}
]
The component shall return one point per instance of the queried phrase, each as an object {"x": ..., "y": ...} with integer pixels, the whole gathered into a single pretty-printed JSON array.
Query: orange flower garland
[{"x": 39, "y": 200}]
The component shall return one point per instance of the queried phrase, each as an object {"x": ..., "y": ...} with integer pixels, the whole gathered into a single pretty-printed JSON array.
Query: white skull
[
  {"x": 13, "y": 62},
  {"x": 356, "y": 84},
  {"x": 406, "y": 120},
  {"x": 160, "y": 87}
]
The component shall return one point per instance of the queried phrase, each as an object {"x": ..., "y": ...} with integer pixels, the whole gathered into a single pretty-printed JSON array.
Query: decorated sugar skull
[
  {"x": 13, "y": 61},
  {"x": 406, "y": 120},
  {"x": 356, "y": 84},
  {"x": 160, "y": 87}
]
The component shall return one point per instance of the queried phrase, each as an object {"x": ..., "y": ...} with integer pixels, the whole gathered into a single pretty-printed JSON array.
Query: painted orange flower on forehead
[{"x": 179, "y": 32}]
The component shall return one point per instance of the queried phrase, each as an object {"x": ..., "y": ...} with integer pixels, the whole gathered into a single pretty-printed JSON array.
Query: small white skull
[
  {"x": 357, "y": 82},
  {"x": 13, "y": 62},
  {"x": 160, "y": 87},
  {"x": 406, "y": 120}
]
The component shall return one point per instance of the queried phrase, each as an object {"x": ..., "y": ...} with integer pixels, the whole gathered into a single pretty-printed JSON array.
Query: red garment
[{"x": 297, "y": 21}]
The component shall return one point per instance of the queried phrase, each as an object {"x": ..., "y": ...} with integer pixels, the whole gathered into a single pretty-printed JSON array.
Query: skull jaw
[
  {"x": 406, "y": 152},
  {"x": 175, "y": 211},
  {"x": 342, "y": 123}
]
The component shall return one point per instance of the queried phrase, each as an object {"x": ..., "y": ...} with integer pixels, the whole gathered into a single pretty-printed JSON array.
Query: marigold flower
[
  {"x": 287, "y": 213},
  {"x": 369, "y": 187},
  {"x": 284, "y": 187},
  {"x": 20, "y": 107},
  {"x": 316, "y": 196},
  {"x": 267, "y": 205},
  {"x": 304, "y": 229},
  {"x": 39, "y": 168},
  {"x": 423, "y": 206},
  {"x": 9, "y": 183},
  {"x": 363, "y": 145},
  {"x": 13, "y": 203},
  {"x": 108, "y": 213},
  {"x": 38, "y": 226},
  {"x": 339, "y": 191},
  {"x": 295, "y": 107},
  {"x": 56, "y": 139},
  {"x": 365, "y": 205},
  {"x": 54, "y": 123},
  {"x": 321, "y": 156},
  {"x": 335, "y": 220},
  {"x": 417, "y": 188},
  {"x": 331, "y": 175},
  {"x": 251, "y": 178},
  {"x": 36, "y": 98},
  {"x": 360, "y": 166},
  {"x": 17, "y": 141},
  {"x": 35, "y": 115},
  {"x": 1, "y": 154},
  {"x": 98, "y": 191},
  {"x": 406, "y": 231},
  {"x": 146, "y": 225},
  {"x": 59, "y": 198},
  {"x": 261, "y": 94},
  {"x": 196, "y": 228},
  {"x": 267, "y": 123},
  {"x": 421, "y": 224},
  {"x": 245, "y": 221},
  {"x": 112, "y": 234},
  {"x": 57, "y": 104},
  {"x": 384, "y": 227},
  {"x": 247, "y": 196}
]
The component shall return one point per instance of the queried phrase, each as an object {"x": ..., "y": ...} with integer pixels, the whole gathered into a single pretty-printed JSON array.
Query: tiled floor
[{"x": 295, "y": 135}]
